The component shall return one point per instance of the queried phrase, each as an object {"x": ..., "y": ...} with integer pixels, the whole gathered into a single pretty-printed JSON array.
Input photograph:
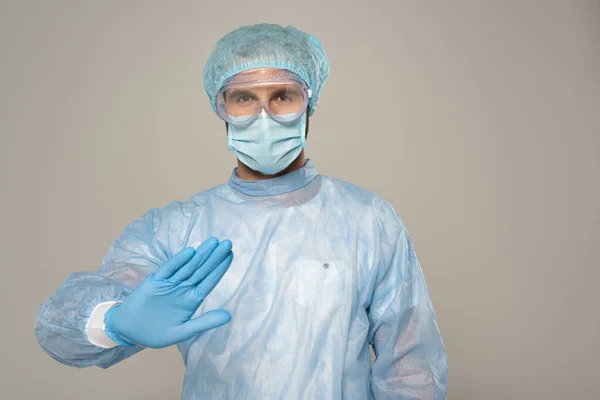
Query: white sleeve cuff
[{"x": 94, "y": 328}]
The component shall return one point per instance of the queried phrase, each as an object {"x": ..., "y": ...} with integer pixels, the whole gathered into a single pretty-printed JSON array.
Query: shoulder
[
  {"x": 363, "y": 200},
  {"x": 349, "y": 192},
  {"x": 185, "y": 209}
]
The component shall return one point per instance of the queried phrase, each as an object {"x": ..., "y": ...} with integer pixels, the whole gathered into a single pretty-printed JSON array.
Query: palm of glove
[{"x": 158, "y": 312}]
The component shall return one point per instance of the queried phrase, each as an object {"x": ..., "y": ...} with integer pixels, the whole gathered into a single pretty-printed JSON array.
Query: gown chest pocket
[{"x": 319, "y": 285}]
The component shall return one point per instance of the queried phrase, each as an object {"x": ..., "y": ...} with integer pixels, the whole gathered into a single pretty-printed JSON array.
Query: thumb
[{"x": 204, "y": 322}]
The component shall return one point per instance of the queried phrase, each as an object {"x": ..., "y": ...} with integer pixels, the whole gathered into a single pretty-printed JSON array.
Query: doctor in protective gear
[{"x": 273, "y": 285}]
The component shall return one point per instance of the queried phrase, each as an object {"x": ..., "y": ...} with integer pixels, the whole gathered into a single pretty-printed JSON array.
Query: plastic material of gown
[{"x": 322, "y": 269}]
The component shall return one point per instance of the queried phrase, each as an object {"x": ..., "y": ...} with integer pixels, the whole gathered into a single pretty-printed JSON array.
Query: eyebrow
[
  {"x": 238, "y": 92},
  {"x": 242, "y": 92},
  {"x": 293, "y": 92}
]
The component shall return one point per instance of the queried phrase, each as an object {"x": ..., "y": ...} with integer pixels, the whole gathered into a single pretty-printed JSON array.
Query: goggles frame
[{"x": 242, "y": 80}]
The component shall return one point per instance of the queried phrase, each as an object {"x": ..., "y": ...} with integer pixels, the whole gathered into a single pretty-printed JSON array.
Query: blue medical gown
[{"x": 322, "y": 269}]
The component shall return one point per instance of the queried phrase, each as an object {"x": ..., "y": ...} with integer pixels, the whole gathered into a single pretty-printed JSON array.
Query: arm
[
  {"x": 60, "y": 324},
  {"x": 411, "y": 360}
]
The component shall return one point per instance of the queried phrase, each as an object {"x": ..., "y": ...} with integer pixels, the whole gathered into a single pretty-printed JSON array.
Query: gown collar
[{"x": 275, "y": 186}]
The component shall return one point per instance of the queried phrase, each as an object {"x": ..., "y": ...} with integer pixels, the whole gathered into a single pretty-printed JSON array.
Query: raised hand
[{"x": 158, "y": 312}]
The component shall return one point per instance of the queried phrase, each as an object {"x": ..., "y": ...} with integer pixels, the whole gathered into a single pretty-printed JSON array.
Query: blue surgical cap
[{"x": 267, "y": 46}]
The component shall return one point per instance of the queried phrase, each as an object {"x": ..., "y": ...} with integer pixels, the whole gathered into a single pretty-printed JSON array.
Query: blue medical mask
[{"x": 266, "y": 145}]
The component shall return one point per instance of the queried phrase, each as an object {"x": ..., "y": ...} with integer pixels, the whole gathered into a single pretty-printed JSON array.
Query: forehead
[
  {"x": 262, "y": 74},
  {"x": 262, "y": 81},
  {"x": 265, "y": 88},
  {"x": 259, "y": 76}
]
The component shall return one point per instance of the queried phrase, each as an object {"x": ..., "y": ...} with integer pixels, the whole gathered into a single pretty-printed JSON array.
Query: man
[{"x": 322, "y": 268}]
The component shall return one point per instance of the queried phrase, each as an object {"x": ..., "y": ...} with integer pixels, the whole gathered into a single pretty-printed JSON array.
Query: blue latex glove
[{"x": 158, "y": 312}]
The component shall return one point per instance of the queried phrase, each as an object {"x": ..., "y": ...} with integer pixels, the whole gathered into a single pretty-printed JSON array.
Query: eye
[
  {"x": 283, "y": 98},
  {"x": 244, "y": 99}
]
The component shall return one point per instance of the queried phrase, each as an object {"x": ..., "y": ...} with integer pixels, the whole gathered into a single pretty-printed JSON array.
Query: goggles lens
[{"x": 283, "y": 96}]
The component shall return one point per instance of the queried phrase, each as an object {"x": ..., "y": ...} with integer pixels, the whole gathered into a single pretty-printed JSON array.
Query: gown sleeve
[
  {"x": 60, "y": 323},
  {"x": 411, "y": 360}
]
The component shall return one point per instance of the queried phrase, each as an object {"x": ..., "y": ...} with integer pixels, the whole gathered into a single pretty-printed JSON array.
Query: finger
[
  {"x": 204, "y": 322},
  {"x": 177, "y": 261},
  {"x": 205, "y": 286},
  {"x": 221, "y": 253},
  {"x": 202, "y": 254}
]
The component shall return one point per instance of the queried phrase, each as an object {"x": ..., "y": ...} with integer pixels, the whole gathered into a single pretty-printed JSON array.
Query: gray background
[{"x": 477, "y": 120}]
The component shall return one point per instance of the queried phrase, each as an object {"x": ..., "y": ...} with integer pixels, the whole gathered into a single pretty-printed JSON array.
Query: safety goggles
[{"x": 280, "y": 93}]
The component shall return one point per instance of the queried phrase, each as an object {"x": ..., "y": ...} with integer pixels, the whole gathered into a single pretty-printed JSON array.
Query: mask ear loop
[
  {"x": 303, "y": 123},
  {"x": 303, "y": 130}
]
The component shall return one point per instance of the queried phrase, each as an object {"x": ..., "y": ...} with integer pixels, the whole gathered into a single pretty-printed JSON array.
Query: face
[
  {"x": 280, "y": 98},
  {"x": 278, "y": 92},
  {"x": 264, "y": 90}
]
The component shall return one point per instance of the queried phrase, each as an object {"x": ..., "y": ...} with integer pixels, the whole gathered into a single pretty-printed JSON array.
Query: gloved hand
[{"x": 158, "y": 312}]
